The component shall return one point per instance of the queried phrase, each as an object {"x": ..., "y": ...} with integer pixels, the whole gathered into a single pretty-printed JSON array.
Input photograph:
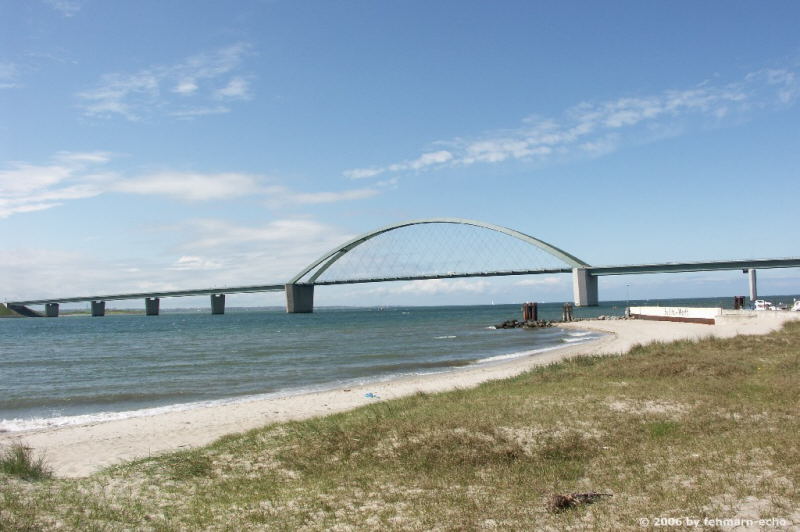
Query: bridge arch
[
  {"x": 328, "y": 259},
  {"x": 300, "y": 293}
]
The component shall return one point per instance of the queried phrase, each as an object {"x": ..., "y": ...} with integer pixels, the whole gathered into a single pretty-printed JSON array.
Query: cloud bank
[
  {"x": 199, "y": 85},
  {"x": 26, "y": 187},
  {"x": 591, "y": 129}
]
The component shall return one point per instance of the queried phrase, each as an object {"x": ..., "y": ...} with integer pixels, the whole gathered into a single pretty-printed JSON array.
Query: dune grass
[
  {"x": 702, "y": 429},
  {"x": 19, "y": 461}
]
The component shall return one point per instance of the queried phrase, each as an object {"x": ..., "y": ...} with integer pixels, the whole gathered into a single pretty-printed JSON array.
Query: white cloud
[
  {"x": 598, "y": 128},
  {"x": 194, "y": 112},
  {"x": 160, "y": 88},
  {"x": 191, "y": 262},
  {"x": 281, "y": 196},
  {"x": 67, "y": 8},
  {"x": 542, "y": 281},
  {"x": 9, "y": 76},
  {"x": 362, "y": 173},
  {"x": 214, "y": 253},
  {"x": 28, "y": 188},
  {"x": 191, "y": 186},
  {"x": 236, "y": 89},
  {"x": 185, "y": 86},
  {"x": 437, "y": 158},
  {"x": 213, "y": 233}
]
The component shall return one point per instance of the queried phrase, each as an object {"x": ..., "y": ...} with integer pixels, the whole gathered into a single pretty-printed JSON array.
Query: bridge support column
[
  {"x": 753, "y": 288},
  {"x": 584, "y": 288},
  {"x": 98, "y": 308},
  {"x": 299, "y": 298},
  {"x": 51, "y": 310},
  {"x": 217, "y": 303},
  {"x": 151, "y": 305}
]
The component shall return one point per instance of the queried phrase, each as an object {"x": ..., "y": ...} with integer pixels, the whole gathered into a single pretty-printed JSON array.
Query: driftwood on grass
[{"x": 559, "y": 503}]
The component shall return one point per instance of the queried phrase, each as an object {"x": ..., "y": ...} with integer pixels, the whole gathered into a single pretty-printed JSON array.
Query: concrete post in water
[
  {"x": 151, "y": 305},
  {"x": 51, "y": 310},
  {"x": 566, "y": 314},
  {"x": 98, "y": 308},
  {"x": 217, "y": 303},
  {"x": 584, "y": 288},
  {"x": 753, "y": 290},
  {"x": 299, "y": 298}
]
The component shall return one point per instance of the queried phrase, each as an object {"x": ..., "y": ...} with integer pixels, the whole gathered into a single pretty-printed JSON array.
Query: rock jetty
[{"x": 530, "y": 324}]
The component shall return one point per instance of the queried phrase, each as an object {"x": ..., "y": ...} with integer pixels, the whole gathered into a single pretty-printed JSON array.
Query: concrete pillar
[
  {"x": 299, "y": 298},
  {"x": 217, "y": 303},
  {"x": 51, "y": 310},
  {"x": 98, "y": 308},
  {"x": 151, "y": 305},
  {"x": 584, "y": 288},
  {"x": 753, "y": 290}
]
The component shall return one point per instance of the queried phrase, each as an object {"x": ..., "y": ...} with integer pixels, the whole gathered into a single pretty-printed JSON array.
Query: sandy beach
[{"x": 80, "y": 450}]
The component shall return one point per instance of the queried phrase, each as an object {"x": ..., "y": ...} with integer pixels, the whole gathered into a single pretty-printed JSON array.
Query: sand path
[{"x": 80, "y": 450}]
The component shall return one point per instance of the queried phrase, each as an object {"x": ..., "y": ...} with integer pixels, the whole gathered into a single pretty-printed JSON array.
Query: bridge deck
[
  {"x": 142, "y": 295},
  {"x": 675, "y": 267},
  {"x": 670, "y": 267}
]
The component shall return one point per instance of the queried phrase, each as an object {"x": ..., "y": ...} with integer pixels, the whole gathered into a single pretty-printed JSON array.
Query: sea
[{"x": 80, "y": 369}]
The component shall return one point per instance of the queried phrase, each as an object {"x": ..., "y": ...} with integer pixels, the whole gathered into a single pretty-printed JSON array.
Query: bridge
[{"x": 436, "y": 248}]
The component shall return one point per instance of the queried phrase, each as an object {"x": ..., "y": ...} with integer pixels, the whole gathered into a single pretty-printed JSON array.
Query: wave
[
  {"x": 56, "y": 421},
  {"x": 519, "y": 354},
  {"x": 443, "y": 337},
  {"x": 580, "y": 340}
]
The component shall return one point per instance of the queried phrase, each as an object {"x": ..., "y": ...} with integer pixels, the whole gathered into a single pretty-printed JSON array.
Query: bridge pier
[
  {"x": 51, "y": 310},
  {"x": 217, "y": 303},
  {"x": 584, "y": 288},
  {"x": 98, "y": 308},
  {"x": 753, "y": 288},
  {"x": 299, "y": 298},
  {"x": 151, "y": 305}
]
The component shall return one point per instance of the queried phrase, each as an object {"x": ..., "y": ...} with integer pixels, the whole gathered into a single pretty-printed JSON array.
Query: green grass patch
[
  {"x": 699, "y": 429},
  {"x": 19, "y": 461},
  {"x": 6, "y": 312}
]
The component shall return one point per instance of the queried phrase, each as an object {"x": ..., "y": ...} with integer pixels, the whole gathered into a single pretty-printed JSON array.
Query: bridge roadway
[{"x": 300, "y": 295}]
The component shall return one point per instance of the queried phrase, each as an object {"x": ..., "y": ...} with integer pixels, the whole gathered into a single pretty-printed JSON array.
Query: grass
[
  {"x": 6, "y": 312},
  {"x": 699, "y": 429},
  {"x": 18, "y": 461}
]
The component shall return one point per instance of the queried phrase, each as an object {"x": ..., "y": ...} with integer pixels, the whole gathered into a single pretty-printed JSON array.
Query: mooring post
[{"x": 51, "y": 310}]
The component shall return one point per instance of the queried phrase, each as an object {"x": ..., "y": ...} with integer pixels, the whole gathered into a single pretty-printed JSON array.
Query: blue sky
[{"x": 167, "y": 145}]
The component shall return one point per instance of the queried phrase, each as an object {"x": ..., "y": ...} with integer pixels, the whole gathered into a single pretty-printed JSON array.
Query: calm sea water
[{"x": 77, "y": 369}]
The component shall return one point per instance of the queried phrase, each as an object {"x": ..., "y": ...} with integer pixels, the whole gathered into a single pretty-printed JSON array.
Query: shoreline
[{"x": 80, "y": 450}]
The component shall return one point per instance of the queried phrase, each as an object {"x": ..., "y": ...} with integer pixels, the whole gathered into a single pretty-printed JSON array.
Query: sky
[{"x": 156, "y": 145}]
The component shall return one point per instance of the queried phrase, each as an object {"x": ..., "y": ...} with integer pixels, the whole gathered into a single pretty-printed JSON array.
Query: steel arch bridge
[{"x": 299, "y": 289}]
